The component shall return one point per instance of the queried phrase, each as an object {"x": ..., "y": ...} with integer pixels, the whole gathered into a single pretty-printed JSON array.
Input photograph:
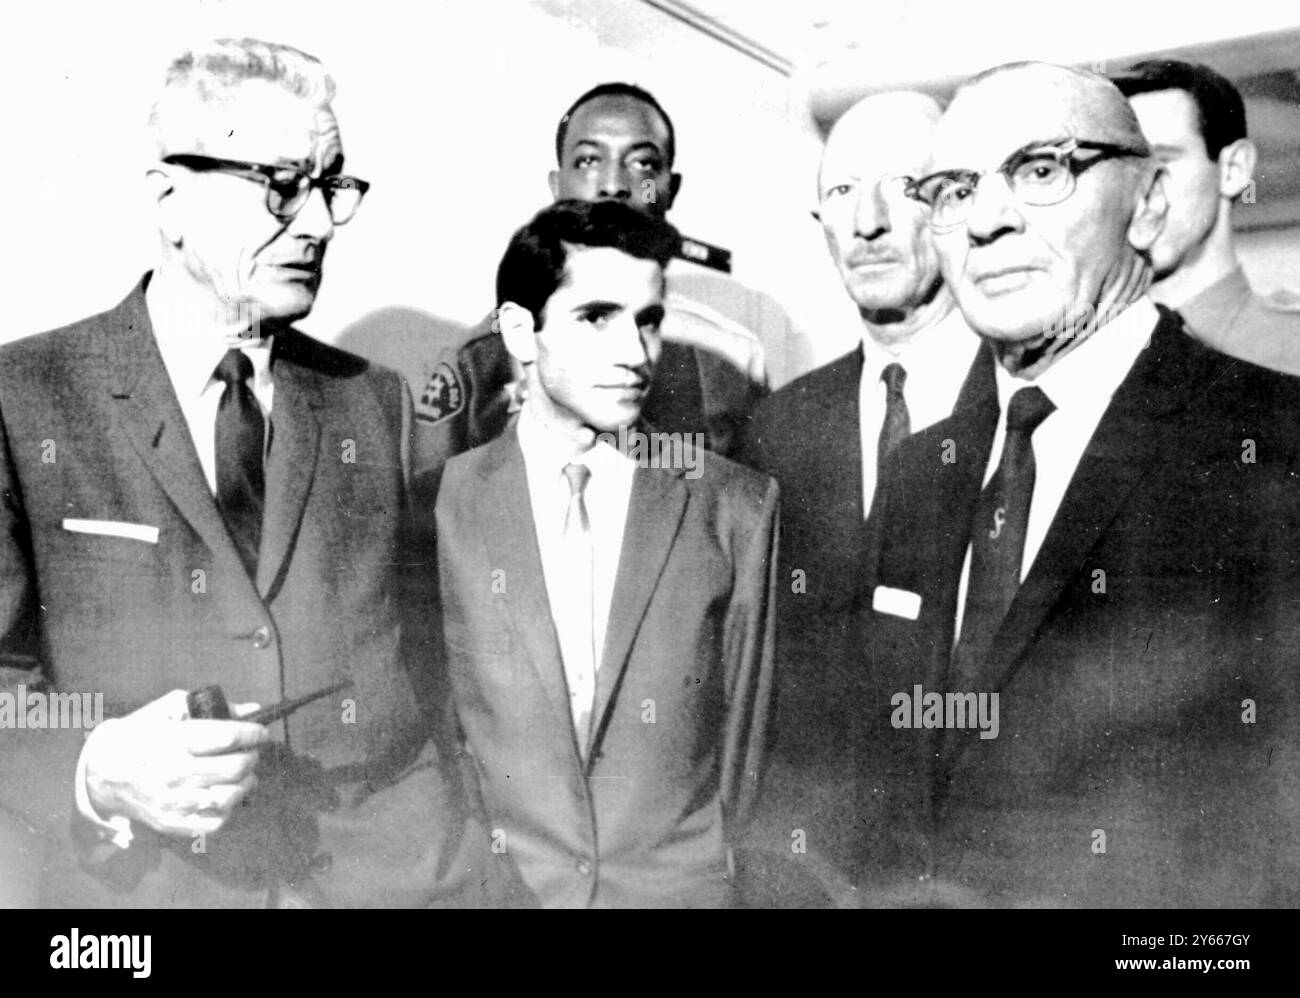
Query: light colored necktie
[{"x": 579, "y": 649}]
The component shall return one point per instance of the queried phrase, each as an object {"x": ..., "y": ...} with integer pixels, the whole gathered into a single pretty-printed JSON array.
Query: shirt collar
[
  {"x": 547, "y": 451},
  {"x": 190, "y": 359},
  {"x": 1088, "y": 376},
  {"x": 929, "y": 349}
]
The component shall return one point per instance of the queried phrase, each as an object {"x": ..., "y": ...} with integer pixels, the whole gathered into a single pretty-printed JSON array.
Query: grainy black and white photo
[{"x": 650, "y": 454}]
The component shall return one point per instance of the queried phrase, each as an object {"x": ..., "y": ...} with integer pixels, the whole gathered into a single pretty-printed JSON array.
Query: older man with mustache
[{"x": 826, "y": 435}]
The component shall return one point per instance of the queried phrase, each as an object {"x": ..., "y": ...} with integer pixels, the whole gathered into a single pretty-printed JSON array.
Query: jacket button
[
  {"x": 584, "y": 867},
  {"x": 261, "y": 637}
]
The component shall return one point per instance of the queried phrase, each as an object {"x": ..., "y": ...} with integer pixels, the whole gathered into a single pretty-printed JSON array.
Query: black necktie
[
  {"x": 998, "y": 535},
  {"x": 897, "y": 426},
  {"x": 240, "y": 439}
]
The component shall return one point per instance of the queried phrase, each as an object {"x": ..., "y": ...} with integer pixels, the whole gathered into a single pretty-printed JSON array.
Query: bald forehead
[
  {"x": 883, "y": 134},
  {"x": 1009, "y": 107}
]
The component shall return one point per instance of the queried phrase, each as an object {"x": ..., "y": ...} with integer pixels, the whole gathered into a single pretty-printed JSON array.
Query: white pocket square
[
  {"x": 898, "y": 602},
  {"x": 113, "y": 528}
]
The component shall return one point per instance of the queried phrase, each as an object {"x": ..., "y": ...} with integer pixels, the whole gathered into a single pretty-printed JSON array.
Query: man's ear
[
  {"x": 674, "y": 187},
  {"x": 519, "y": 331},
  {"x": 1152, "y": 208},
  {"x": 162, "y": 189},
  {"x": 1236, "y": 167},
  {"x": 553, "y": 181}
]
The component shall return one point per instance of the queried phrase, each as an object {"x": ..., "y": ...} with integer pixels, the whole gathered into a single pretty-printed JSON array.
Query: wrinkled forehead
[
  {"x": 261, "y": 122},
  {"x": 885, "y": 135},
  {"x": 993, "y": 117}
]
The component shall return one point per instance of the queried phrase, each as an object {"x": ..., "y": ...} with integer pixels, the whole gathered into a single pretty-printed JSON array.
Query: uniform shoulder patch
[{"x": 443, "y": 395}]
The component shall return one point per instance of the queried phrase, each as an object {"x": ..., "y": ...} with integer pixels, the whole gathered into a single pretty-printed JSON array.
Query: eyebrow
[
  {"x": 1038, "y": 144},
  {"x": 306, "y": 165},
  {"x": 646, "y": 144},
  {"x": 597, "y": 307}
]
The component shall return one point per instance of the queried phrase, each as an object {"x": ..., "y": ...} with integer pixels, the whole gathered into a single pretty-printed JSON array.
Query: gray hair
[{"x": 203, "y": 78}]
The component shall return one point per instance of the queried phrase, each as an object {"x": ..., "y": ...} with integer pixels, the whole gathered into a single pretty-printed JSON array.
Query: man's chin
[
  {"x": 1002, "y": 328},
  {"x": 284, "y": 309},
  {"x": 1163, "y": 267},
  {"x": 871, "y": 296},
  {"x": 612, "y": 422}
]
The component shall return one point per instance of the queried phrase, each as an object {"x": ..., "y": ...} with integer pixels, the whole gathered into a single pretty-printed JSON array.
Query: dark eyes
[
  {"x": 952, "y": 191},
  {"x": 1038, "y": 170},
  {"x": 651, "y": 318},
  {"x": 599, "y": 317},
  {"x": 286, "y": 185},
  {"x": 643, "y": 164}
]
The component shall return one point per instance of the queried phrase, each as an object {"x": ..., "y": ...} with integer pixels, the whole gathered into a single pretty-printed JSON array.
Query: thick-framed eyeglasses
[
  {"x": 1040, "y": 174},
  {"x": 287, "y": 189}
]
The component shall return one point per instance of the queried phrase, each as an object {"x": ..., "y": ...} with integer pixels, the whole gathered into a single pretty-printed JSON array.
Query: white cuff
[{"x": 117, "y": 829}]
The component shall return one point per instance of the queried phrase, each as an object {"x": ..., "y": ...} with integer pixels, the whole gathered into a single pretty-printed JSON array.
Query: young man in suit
[
  {"x": 1084, "y": 635},
  {"x": 723, "y": 343},
  {"x": 607, "y": 592},
  {"x": 196, "y": 493},
  {"x": 1195, "y": 120},
  {"x": 824, "y": 437}
]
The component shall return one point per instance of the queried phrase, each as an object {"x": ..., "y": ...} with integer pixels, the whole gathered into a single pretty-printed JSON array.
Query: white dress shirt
[
  {"x": 937, "y": 361},
  {"x": 1080, "y": 385},
  {"x": 607, "y": 495}
]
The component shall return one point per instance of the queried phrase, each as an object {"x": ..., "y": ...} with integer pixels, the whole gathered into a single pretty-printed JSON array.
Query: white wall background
[{"x": 447, "y": 107}]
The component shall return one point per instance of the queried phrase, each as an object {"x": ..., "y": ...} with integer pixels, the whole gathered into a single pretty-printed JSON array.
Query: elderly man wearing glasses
[
  {"x": 195, "y": 494},
  {"x": 1083, "y": 625}
]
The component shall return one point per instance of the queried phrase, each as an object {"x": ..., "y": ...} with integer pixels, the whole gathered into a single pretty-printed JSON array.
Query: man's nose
[
  {"x": 627, "y": 343},
  {"x": 993, "y": 210},
  {"x": 871, "y": 216},
  {"x": 313, "y": 218},
  {"x": 614, "y": 181}
]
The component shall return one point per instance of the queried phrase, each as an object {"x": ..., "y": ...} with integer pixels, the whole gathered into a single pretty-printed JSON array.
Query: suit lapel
[
  {"x": 843, "y": 453},
  {"x": 971, "y": 428},
  {"x": 152, "y": 420},
  {"x": 936, "y": 561},
  {"x": 511, "y": 541},
  {"x": 291, "y": 461},
  {"x": 1125, "y": 448},
  {"x": 658, "y": 502}
]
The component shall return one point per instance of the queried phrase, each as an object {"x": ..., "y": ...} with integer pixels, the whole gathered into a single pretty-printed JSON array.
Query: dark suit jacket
[
  {"x": 808, "y": 436},
  {"x": 1123, "y": 772},
  {"x": 92, "y": 430},
  {"x": 683, "y": 695}
]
